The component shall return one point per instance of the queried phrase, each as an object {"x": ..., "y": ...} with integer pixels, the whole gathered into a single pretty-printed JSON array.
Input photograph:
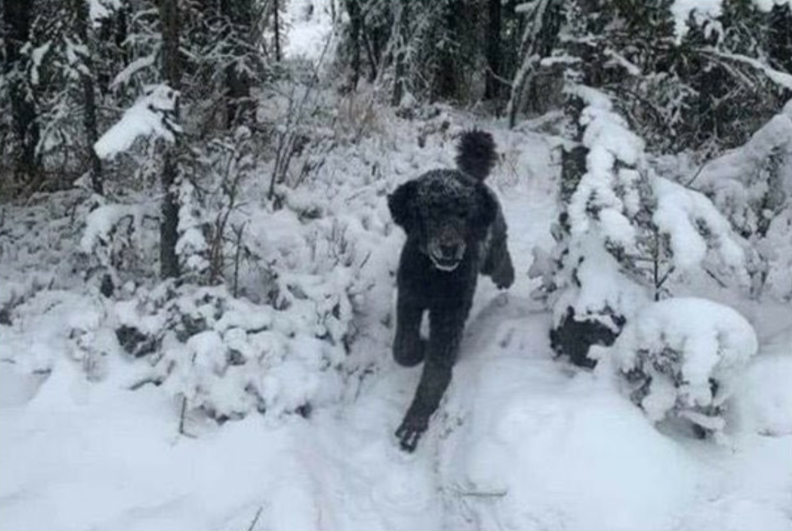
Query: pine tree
[{"x": 623, "y": 230}]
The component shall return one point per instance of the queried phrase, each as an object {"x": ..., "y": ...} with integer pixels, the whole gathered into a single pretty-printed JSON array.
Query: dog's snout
[{"x": 449, "y": 250}]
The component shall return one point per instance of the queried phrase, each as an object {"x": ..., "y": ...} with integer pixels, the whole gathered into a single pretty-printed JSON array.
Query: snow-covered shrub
[
  {"x": 624, "y": 233},
  {"x": 51, "y": 325},
  {"x": 681, "y": 357},
  {"x": 118, "y": 240},
  {"x": 752, "y": 186},
  {"x": 228, "y": 357}
]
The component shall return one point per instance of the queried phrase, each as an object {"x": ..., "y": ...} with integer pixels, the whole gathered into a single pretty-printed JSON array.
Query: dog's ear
[
  {"x": 486, "y": 207},
  {"x": 402, "y": 205}
]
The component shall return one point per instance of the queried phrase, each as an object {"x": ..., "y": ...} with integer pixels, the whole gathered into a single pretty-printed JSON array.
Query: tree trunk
[
  {"x": 17, "y": 17},
  {"x": 573, "y": 156},
  {"x": 780, "y": 37},
  {"x": 277, "y": 30},
  {"x": 169, "y": 261},
  {"x": 241, "y": 108},
  {"x": 446, "y": 84},
  {"x": 355, "y": 38},
  {"x": 493, "y": 50},
  {"x": 80, "y": 8},
  {"x": 400, "y": 69},
  {"x": 539, "y": 39}
]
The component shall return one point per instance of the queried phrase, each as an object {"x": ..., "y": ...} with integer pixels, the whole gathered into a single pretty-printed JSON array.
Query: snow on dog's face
[{"x": 446, "y": 211}]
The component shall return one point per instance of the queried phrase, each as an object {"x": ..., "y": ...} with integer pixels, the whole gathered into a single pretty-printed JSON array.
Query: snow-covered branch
[
  {"x": 782, "y": 79},
  {"x": 152, "y": 115}
]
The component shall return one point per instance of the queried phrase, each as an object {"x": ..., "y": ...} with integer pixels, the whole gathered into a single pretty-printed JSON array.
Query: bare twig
[{"x": 255, "y": 519}]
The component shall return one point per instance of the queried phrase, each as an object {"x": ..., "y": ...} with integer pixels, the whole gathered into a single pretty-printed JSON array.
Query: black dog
[{"x": 455, "y": 229}]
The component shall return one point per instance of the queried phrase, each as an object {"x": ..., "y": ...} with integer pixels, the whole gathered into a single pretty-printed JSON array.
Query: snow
[
  {"x": 151, "y": 115},
  {"x": 767, "y": 5},
  {"x": 131, "y": 69},
  {"x": 610, "y": 143},
  {"x": 310, "y": 28},
  {"x": 521, "y": 442},
  {"x": 679, "y": 209},
  {"x": 36, "y": 57},
  {"x": 602, "y": 286},
  {"x": 701, "y": 10},
  {"x": 101, "y": 9},
  {"x": 102, "y": 221},
  {"x": 764, "y": 403}
]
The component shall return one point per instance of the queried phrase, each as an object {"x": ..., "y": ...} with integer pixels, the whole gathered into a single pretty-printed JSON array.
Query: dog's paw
[
  {"x": 504, "y": 278},
  {"x": 410, "y": 431}
]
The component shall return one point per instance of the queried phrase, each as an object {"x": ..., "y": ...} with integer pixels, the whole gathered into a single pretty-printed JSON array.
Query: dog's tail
[{"x": 476, "y": 154}]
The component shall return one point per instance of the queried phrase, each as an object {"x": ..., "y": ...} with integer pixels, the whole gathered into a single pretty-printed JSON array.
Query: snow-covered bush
[
  {"x": 681, "y": 357},
  {"x": 624, "y": 233},
  {"x": 118, "y": 240},
  {"x": 228, "y": 357},
  {"x": 752, "y": 186}
]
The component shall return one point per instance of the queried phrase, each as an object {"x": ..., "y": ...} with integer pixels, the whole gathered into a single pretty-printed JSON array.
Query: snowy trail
[{"x": 366, "y": 482}]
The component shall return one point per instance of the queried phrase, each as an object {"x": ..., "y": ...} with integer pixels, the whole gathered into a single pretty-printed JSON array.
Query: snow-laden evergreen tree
[{"x": 624, "y": 231}]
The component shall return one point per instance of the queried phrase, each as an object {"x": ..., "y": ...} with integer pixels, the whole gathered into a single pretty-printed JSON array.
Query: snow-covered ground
[{"x": 521, "y": 442}]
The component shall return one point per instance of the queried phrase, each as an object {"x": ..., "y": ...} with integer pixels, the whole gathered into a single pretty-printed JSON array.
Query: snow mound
[
  {"x": 764, "y": 399},
  {"x": 539, "y": 450},
  {"x": 682, "y": 356}
]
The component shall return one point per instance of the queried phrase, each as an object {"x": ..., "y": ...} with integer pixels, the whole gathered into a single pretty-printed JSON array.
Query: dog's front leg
[
  {"x": 408, "y": 347},
  {"x": 445, "y": 334}
]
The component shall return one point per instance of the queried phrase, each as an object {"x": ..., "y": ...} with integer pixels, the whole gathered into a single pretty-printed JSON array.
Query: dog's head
[{"x": 446, "y": 212}]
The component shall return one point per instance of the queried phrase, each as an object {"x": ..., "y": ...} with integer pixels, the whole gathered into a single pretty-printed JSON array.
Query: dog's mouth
[{"x": 444, "y": 264}]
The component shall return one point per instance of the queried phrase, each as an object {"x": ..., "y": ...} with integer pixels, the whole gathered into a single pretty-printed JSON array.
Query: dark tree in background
[
  {"x": 355, "y": 40},
  {"x": 172, "y": 73},
  {"x": 779, "y": 45},
  {"x": 401, "y": 47},
  {"x": 17, "y": 21},
  {"x": 494, "y": 53},
  {"x": 87, "y": 75},
  {"x": 238, "y": 17}
]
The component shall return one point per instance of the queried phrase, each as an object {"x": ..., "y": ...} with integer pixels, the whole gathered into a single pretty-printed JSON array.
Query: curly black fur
[
  {"x": 476, "y": 154},
  {"x": 455, "y": 230}
]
